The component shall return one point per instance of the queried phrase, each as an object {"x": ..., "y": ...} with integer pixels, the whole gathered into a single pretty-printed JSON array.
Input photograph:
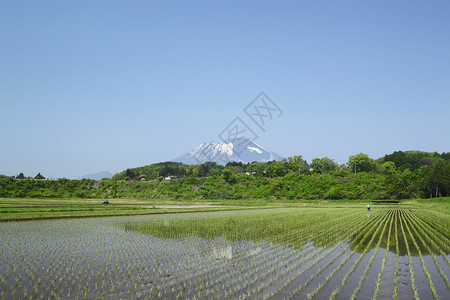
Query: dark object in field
[
  {"x": 368, "y": 207},
  {"x": 385, "y": 202},
  {"x": 105, "y": 202}
]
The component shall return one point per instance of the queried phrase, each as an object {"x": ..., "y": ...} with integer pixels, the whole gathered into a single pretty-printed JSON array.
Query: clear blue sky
[{"x": 87, "y": 86}]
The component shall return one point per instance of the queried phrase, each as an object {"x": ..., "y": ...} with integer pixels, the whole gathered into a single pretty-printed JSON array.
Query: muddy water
[
  {"x": 353, "y": 279},
  {"x": 336, "y": 280},
  {"x": 404, "y": 279},
  {"x": 322, "y": 276},
  {"x": 438, "y": 281},
  {"x": 370, "y": 281},
  {"x": 387, "y": 278},
  {"x": 420, "y": 279}
]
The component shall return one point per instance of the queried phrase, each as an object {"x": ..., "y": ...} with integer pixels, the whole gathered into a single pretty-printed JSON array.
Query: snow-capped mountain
[{"x": 239, "y": 150}]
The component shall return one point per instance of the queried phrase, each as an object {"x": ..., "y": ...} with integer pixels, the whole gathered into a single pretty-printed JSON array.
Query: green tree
[
  {"x": 388, "y": 168},
  {"x": 229, "y": 176},
  {"x": 323, "y": 165},
  {"x": 257, "y": 167},
  {"x": 20, "y": 176},
  {"x": 129, "y": 173},
  {"x": 437, "y": 180},
  {"x": 296, "y": 164},
  {"x": 205, "y": 168},
  {"x": 361, "y": 163}
]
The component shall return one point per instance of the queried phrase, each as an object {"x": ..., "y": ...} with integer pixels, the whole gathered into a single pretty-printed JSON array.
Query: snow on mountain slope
[{"x": 239, "y": 150}]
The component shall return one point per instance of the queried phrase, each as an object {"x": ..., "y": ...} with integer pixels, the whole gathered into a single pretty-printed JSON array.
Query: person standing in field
[{"x": 368, "y": 207}]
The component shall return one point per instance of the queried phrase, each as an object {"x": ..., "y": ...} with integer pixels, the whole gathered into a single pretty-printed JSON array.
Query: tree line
[{"x": 400, "y": 175}]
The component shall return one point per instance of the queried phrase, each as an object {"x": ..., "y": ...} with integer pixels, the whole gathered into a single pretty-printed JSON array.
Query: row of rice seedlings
[
  {"x": 283, "y": 273},
  {"x": 411, "y": 272},
  {"x": 436, "y": 239},
  {"x": 419, "y": 233},
  {"x": 355, "y": 292},
  {"x": 383, "y": 264},
  {"x": 355, "y": 264},
  {"x": 262, "y": 260},
  {"x": 16, "y": 277},
  {"x": 292, "y": 267},
  {"x": 288, "y": 270},
  {"x": 192, "y": 277},
  {"x": 430, "y": 282},
  {"x": 336, "y": 269},
  {"x": 439, "y": 217},
  {"x": 208, "y": 272},
  {"x": 85, "y": 273},
  {"x": 276, "y": 232},
  {"x": 55, "y": 271},
  {"x": 397, "y": 254},
  {"x": 286, "y": 261},
  {"x": 435, "y": 230},
  {"x": 350, "y": 232},
  {"x": 289, "y": 264},
  {"x": 356, "y": 243},
  {"x": 109, "y": 261},
  {"x": 245, "y": 270},
  {"x": 435, "y": 219}
]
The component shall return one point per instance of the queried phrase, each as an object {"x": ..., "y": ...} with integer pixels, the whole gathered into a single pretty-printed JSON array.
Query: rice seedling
[{"x": 397, "y": 254}]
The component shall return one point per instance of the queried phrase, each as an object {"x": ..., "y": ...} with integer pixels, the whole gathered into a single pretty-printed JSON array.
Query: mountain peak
[
  {"x": 98, "y": 176},
  {"x": 240, "y": 150}
]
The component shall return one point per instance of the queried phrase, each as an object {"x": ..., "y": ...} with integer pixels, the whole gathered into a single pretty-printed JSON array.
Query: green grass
[
  {"x": 16, "y": 209},
  {"x": 29, "y": 208}
]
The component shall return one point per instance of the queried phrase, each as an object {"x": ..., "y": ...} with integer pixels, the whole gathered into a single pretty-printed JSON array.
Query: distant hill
[
  {"x": 412, "y": 159},
  {"x": 98, "y": 176},
  {"x": 238, "y": 150}
]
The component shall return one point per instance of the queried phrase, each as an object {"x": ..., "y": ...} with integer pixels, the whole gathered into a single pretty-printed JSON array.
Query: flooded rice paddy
[{"x": 258, "y": 254}]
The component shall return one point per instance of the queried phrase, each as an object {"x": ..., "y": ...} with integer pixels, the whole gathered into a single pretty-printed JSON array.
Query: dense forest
[{"x": 400, "y": 175}]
